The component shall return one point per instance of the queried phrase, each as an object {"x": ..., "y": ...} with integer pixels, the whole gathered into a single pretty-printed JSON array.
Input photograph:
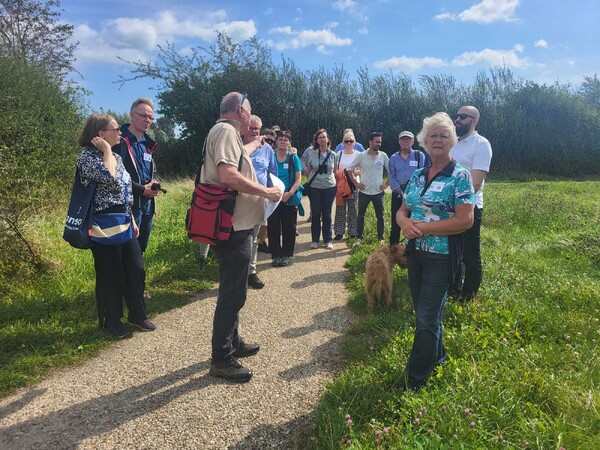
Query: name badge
[
  {"x": 147, "y": 157},
  {"x": 412, "y": 163},
  {"x": 286, "y": 165},
  {"x": 437, "y": 186}
]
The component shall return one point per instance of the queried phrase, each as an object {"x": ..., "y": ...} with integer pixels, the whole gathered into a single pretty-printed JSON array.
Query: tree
[
  {"x": 38, "y": 130},
  {"x": 590, "y": 91},
  {"x": 32, "y": 31}
]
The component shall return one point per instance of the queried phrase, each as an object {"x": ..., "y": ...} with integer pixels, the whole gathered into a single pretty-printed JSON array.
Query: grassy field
[
  {"x": 523, "y": 370},
  {"x": 49, "y": 320}
]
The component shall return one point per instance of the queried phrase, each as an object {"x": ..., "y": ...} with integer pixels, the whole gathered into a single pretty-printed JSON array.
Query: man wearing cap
[
  {"x": 473, "y": 152},
  {"x": 403, "y": 163}
]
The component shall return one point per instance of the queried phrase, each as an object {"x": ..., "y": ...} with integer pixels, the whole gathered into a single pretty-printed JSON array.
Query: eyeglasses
[
  {"x": 111, "y": 129},
  {"x": 145, "y": 116},
  {"x": 463, "y": 116},
  {"x": 348, "y": 142},
  {"x": 244, "y": 96}
]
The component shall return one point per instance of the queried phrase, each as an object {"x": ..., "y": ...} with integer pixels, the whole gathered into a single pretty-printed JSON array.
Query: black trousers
[
  {"x": 233, "y": 257},
  {"x": 395, "y": 229},
  {"x": 282, "y": 227},
  {"x": 119, "y": 274},
  {"x": 363, "y": 203},
  {"x": 472, "y": 267}
]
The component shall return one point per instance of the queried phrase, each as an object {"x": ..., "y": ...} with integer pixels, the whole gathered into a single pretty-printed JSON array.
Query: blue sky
[{"x": 540, "y": 40}]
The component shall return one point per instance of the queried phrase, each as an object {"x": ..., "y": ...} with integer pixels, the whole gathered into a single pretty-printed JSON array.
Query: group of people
[{"x": 437, "y": 204}]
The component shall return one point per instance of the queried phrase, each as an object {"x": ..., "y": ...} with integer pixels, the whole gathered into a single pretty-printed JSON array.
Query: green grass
[
  {"x": 524, "y": 356},
  {"x": 49, "y": 319}
]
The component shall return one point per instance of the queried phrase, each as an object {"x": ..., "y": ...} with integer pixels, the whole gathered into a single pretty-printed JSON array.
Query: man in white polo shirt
[{"x": 474, "y": 153}]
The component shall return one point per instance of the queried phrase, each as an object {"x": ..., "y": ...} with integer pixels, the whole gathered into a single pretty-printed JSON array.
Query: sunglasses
[
  {"x": 348, "y": 142},
  {"x": 463, "y": 116}
]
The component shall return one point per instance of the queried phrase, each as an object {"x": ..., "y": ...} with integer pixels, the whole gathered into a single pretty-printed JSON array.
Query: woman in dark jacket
[{"x": 119, "y": 268}]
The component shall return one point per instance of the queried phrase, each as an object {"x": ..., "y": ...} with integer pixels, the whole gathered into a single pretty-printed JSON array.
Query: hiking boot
[
  {"x": 144, "y": 325},
  {"x": 231, "y": 370},
  {"x": 285, "y": 261},
  {"x": 243, "y": 350},
  {"x": 254, "y": 282},
  {"x": 276, "y": 262},
  {"x": 263, "y": 247},
  {"x": 120, "y": 332}
]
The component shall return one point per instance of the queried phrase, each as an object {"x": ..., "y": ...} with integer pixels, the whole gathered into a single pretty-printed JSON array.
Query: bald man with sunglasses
[{"x": 473, "y": 152}]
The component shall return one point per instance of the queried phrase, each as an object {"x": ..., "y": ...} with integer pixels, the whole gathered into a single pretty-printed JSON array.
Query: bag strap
[
  {"x": 202, "y": 154},
  {"x": 320, "y": 168},
  {"x": 418, "y": 158}
]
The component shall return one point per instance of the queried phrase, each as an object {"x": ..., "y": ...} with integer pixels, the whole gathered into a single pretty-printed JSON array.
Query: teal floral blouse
[{"x": 437, "y": 200}]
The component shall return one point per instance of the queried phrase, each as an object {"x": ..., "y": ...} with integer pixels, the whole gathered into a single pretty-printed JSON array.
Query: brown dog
[{"x": 378, "y": 272}]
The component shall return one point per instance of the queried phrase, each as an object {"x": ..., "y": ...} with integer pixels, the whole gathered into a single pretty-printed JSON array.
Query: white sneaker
[
  {"x": 382, "y": 242},
  {"x": 314, "y": 245},
  {"x": 329, "y": 246},
  {"x": 356, "y": 243}
]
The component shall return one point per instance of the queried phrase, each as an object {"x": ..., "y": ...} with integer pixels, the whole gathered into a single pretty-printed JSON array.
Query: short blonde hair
[{"x": 440, "y": 119}]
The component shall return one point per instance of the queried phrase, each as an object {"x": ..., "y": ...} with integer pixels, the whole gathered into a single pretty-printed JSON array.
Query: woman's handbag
[
  {"x": 111, "y": 228},
  {"x": 79, "y": 214},
  {"x": 296, "y": 198},
  {"x": 210, "y": 216},
  {"x": 306, "y": 186}
]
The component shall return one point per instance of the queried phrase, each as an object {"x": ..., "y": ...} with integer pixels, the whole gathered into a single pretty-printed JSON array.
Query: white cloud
[
  {"x": 331, "y": 24},
  {"x": 485, "y": 12},
  {"x": 345, "y": 5},
  {"x": 445, "y": 16},
  {"x": 541, "y": 43},
  {"x": 509, "y": 58},
  {"x": 281, "y": 30},
  {"x": 406, "y": 63},
  {"x": 137, "y": 38},
  {"x": 321, "y": 39}
]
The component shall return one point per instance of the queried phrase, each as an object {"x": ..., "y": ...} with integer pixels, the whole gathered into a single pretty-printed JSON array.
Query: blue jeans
[
  {"x": 429, "y": 280},
  {"x": 321, "y": 204},
  {"x": 144, "y": 217},
  {"x": 233, "y": 258}
]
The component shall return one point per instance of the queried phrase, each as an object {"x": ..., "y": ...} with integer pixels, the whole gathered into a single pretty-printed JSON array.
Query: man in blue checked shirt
[{"x": 403, "y": 163}]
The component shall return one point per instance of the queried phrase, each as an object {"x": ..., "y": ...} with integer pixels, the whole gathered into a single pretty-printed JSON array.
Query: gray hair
[
  {"x": 230, "y": 103},
  {"x": 142, "y": 101},
  {"x": 440, "y": 119},
  {"x": 256, "y": 119}
]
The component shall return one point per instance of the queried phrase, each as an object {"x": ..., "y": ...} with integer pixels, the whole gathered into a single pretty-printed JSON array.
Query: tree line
[{"x": 533, "y": 128}]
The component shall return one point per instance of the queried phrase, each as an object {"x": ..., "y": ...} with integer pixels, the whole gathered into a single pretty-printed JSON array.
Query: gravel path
[{"x": 154, "y": 392}]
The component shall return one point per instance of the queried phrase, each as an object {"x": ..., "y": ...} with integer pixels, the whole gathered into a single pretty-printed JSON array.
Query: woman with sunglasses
[
  {"x": 119, "y": 268},
  {"x": 345, "y": 210},
  {"x": 437, "y": 210}
]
